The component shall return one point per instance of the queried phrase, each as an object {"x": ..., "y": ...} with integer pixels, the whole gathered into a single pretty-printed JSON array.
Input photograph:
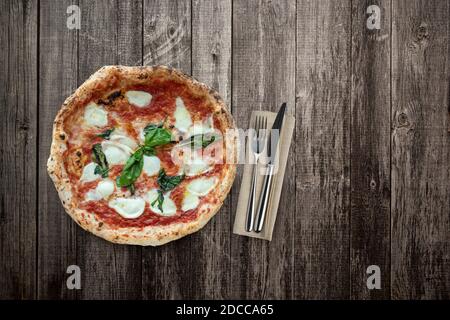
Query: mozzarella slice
[
  {"x": 196, "y": 166},
  {"x": 93, "y": 195},
  {"x": 89, "y": 174},
  {"x": 129, "y": 208},
  {"x": 201, "y": 186},
  {"x": 168, "y": 208},
  {"x": 103, "y": 190},
  {"x": 190, "y": 201},
  {"x": 95, "y": 115},
  {"x": 182, "y": 117},
  {"x": 116, "y": 153},
  {"x": 152, "y": 165},
  {"x": 122, "y": 138},
  {"x": 139, "y": 98}
]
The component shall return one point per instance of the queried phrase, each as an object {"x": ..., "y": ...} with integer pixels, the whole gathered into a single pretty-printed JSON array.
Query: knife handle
[
  {"x": 251, "y": 201},
  {"x": 264, "y": 199}
]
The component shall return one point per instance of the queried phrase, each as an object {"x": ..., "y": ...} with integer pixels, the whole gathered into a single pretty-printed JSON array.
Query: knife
[{"x": 267, "y": 183}]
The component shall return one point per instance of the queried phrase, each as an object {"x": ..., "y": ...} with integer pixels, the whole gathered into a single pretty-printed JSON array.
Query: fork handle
[
  {"x": 264, "y": 200},
  {"x": 251, "y": 202}
]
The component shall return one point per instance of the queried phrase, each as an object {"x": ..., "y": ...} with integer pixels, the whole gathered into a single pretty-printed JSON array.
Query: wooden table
[{"x": 367, "y": 181}]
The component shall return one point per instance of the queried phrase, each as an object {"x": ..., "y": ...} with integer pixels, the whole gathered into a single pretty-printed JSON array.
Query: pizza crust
[{"x": 107, "y": 79}]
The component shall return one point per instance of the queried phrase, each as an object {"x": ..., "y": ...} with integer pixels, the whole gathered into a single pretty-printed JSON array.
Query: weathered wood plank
[
  {"x": 264, "y": 77},
  {"x": 166, "y": 270},
  {"x": 167, "y": 33},
  {"x": 211, "y": 64},
  {"x": 322, "y": 149},
  {"x": 109, "y": 271},
  {"x": 18, "y": 165},
  {"x": 420, "y": 151},
  {"x": 370, "y": 150},
  {"x": 57, "y": 80}
]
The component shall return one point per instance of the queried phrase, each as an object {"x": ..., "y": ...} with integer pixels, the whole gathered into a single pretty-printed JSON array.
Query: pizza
[{"x": 142, "y": 155}]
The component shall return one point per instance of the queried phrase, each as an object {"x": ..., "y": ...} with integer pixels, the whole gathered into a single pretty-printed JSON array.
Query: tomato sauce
[
  {"x": 164, "y": 155},
  {"x": 112, "y": 218}
]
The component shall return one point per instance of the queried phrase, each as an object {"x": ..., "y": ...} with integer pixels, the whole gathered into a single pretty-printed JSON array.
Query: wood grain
[
  {"x": 370, "y": 151},
  {"x": 166, "y": 270},
  {"x": 211, "y": 64},
  {"x": 58, "y": 65},
  {"x": 18, "y": 167},
  {"x": 420, "y": 151},
  {"x": 367, "y": 180},
  {"x": 109, "y": 271},
  {"x": 263, "y": 78},
  {"x": 322, "y": 150}
]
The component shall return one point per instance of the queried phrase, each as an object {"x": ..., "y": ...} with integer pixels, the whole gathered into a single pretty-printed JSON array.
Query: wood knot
[
  {"x": 24, "y": 126},
  {"x": 403, "y": 120},
  {"x": 421, "y": 35},
  {"x": 171, "y": 31},
  {"x": 373, "y": 184},
  {"x": 422, "y": 32}
]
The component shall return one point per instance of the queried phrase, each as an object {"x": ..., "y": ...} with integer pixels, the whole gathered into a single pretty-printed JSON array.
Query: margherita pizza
[{"x": 141, "y": 155}]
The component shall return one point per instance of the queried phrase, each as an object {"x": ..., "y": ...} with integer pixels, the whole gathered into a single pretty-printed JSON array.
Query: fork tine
[
  {"x": 262, "y": 128},
  {"x": 257, "y": 126}
]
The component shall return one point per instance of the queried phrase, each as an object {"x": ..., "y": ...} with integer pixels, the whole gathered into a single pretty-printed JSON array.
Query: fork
[{"x": 257, "y": 143}]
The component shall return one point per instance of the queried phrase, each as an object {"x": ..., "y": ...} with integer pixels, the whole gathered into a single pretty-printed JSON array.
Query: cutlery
[
  {"x": 257, "y": 142},
  {"x": 267, "y": 183}
]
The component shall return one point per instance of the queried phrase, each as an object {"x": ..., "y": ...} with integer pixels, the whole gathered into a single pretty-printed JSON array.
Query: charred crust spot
[
  {"x": 114, "y": 95},
  {"x": 110, "y": 99},
  {"x": 62, "y": 136},
  {"x": 100, "y": 224},
  {"x": 78, "y": 153},
  {"x": 142, "y": 76}
]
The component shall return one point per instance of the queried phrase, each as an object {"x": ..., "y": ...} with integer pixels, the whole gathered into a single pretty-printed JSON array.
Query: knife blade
[
  {"x": 267, "y": 183},
  {"x": 276, "y": 128}
]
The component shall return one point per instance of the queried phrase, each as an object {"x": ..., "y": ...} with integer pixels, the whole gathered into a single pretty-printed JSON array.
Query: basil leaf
[
  {"x": 201, "y": 141},
  {"x": 156, "y": 136},
  {"x": 149, "y": 151},
  {"x": 100, "y": 171},
  {"x": 132, "y": 189},
  {"x": 105, "y": 134},
  {"x": 132, "y": 169},
  {"x": 207, "y": 142},
  {"x": 167, "y": 183},
  {"x": 160, "y": 200},
  {"x": 100, "y": 159}
]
